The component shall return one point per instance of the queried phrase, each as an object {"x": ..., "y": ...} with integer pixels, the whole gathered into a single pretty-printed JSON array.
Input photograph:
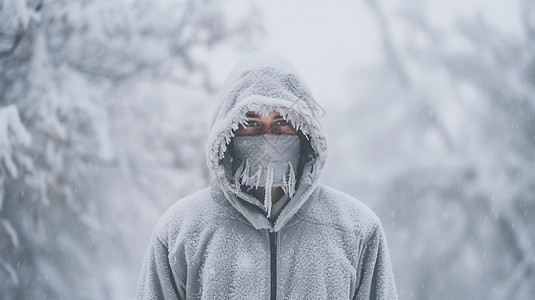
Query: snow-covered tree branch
[{"x": 91, "y": 133}]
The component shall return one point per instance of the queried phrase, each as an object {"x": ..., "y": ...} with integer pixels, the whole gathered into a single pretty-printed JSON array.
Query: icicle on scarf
[{"x": 266, "y": 160}]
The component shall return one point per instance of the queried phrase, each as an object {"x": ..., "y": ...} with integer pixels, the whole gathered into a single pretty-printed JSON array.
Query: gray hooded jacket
[{"x": 219, "y": 244}]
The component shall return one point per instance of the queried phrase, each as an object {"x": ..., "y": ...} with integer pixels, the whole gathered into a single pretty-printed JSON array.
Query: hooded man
[{"x": 266, "y": 229}]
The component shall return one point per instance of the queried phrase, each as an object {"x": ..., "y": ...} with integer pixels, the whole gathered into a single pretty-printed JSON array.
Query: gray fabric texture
[
  {"x": 278, "y": 206},
  {"x": 218, "y": 242},
  {"x": 266, "y": 160}
]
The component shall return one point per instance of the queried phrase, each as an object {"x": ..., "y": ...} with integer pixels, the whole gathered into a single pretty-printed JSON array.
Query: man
[{"x": 266, "y": 229}]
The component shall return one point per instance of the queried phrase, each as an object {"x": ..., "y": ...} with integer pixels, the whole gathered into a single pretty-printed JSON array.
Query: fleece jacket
[{"x": 218, "y": 243}]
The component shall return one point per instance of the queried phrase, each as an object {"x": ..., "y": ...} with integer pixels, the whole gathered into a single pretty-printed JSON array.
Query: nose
[{"x": 267, "y": 128}]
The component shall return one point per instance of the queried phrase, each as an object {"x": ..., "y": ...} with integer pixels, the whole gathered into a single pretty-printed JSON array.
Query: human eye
[
  {"x": 282, "y": 123},
  {"x": 251, "y": 123}
]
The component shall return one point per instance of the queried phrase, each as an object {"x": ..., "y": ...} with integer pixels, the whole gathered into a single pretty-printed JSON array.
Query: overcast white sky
[
  {"x": 323, "y": 41},
  {"x": 327, "y": 40}
]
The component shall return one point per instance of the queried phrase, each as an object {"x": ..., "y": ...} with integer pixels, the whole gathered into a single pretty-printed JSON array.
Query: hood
[{"x": 263, "y": 83}]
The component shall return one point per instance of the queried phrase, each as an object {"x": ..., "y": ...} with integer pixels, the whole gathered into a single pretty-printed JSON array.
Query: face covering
[{"x": 266, "y": 160}]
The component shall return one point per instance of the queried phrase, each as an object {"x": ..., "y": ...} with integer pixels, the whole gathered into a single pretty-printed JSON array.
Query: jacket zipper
[{"x": 273, "y": 250}]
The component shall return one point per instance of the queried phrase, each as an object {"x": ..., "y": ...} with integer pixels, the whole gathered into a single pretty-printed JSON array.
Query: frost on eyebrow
[{"x": 252, "y": 115}]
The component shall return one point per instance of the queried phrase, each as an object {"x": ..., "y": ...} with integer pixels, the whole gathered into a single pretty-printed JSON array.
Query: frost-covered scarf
[{"x": 266, "y": 160}]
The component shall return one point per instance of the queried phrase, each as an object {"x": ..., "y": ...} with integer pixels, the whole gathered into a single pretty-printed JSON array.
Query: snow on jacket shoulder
[{"x": 219, "y": 244}]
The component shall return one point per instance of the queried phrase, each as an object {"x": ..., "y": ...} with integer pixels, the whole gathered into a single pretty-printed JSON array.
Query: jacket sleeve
[
  {"x": 157, "y": 279},
  {"x": 376, "y": 277}
]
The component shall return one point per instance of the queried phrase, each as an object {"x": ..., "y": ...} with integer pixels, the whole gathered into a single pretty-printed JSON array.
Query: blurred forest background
[{"x": 105, "y": 107}]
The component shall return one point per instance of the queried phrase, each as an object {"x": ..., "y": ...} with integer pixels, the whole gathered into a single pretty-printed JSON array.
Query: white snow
[
  {"x": 12, "y": 234},
  {"x": 12, "y": 134}
]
